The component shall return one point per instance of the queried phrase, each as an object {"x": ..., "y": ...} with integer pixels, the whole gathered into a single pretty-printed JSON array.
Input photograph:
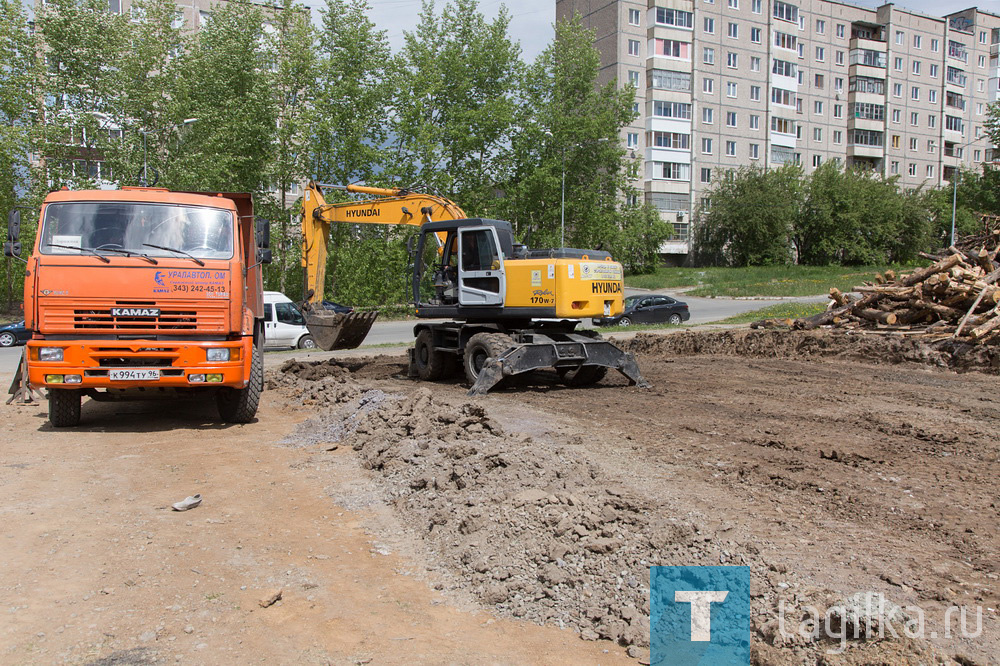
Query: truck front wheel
[
  {"x": 240, "y": 405},
  {"x": 64, "y": 408}
]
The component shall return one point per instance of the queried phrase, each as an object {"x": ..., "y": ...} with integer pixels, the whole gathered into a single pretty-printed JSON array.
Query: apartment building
[{"x": 724, "y": 83}]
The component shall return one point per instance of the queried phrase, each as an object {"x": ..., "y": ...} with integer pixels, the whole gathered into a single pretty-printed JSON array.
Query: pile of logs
[{"x": 955, "y": 297}]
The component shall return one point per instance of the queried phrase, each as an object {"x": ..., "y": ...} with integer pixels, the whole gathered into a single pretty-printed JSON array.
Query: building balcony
[{"x": 859, "y": 150}]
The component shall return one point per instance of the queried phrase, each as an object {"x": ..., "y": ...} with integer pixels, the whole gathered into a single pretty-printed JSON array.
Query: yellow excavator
[{"x": 511, "y": 310}]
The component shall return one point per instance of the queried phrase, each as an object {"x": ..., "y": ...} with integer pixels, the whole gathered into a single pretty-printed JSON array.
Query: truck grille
[{"x": 173, "y": 318}]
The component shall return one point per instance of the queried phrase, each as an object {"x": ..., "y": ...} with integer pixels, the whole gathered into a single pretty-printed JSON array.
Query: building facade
[{"x": 725, "y": 83}]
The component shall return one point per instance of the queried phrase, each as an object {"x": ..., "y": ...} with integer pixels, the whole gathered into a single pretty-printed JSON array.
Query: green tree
[
  {"x": 751, "y": 218},
  {"x": 454, "y": 108},
  {"x": 17, "y": 88},
  {"x": 224, "y": 82}
]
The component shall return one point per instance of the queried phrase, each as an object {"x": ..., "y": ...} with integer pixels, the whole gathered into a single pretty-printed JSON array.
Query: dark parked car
[
  {"x": 14, "y": 334},
  {"x": 337, "y": 307},
  {"x": 653, "y": 309}
]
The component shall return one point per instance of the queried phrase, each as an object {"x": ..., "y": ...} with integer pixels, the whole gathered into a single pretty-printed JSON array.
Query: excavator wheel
[
  {"x": 432, "y": 364},
  {"x": 480, "y": 347},
  {"x": 585, "y": 375}
]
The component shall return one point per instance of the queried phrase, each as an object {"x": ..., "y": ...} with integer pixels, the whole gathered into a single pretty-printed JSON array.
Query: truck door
[{"x": 481, "y": 279}]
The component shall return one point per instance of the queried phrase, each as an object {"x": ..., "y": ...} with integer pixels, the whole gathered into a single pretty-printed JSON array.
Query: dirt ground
[{"x": 404, "y": 522}]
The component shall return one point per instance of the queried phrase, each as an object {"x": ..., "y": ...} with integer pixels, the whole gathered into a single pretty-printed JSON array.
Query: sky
[{"x": 531, "y": 20}]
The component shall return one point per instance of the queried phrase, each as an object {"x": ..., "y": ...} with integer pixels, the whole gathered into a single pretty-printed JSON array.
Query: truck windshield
[{"x": 119, "y": 227}]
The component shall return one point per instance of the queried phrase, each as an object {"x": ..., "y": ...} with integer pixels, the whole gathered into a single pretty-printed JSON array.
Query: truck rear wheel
[
  {"x": 64, "y": 408},
  {"x": 431, "y": 363},
  {"x": 240, "y": 405},
  {"x": 480, "y": 347}
]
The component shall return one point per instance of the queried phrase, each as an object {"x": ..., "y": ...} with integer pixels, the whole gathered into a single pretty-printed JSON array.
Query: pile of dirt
[{"x": 880, "y": 349}]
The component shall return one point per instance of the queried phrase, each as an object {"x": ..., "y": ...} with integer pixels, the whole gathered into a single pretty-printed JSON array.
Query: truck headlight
[
  {"x": 50, "y": 353},
  {"x": 218, "y": 354}
]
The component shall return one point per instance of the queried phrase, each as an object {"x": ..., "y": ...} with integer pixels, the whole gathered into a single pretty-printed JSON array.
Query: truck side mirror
[
  {"x": 13, "y": 225},
  {"x": 263, "y": 233},
  {"x": 12, "y": 249},
  {"x": 264, "y": 256}
]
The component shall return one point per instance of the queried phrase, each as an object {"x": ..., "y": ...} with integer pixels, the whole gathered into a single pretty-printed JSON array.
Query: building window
[
  {"x": 860, "y": 137},
  {"x": 730, "y": 89},
  {"x": 801, "y": 50},
  {"x": 840, "y": 31},
  {"x": 732, "y": 60},
  {"x": 818, "y": 81},
  {"x": 817, "y": 133},
  {"x": 734, "y": 4},
  {"x": 782, "y": 125},
  {"x": 977, "y": 155},
  {"x": 783, "y": 68},
  {"x": 731, "y": 148},
  {"x": 671, "y": 171},
  {"x": 930, "y": 170},
  {"x": 754, "y": 64},
  {"x": 839, "y": 57},
  {"x": 664, "y": 80},
  {"x": 932, "y": 96},
  {"x": 838, "y": 136},
  {"x": 894, "y": 168},
  {"x": 785, "y": 41},
  {"x": 678, "y": 110},
  {"x": 734, "y": 30},
  {"x": 672, "y": 48},
  {"x": 670, "y": 140},
  {"x": 838, "y": 110},
  {"x": 866, "y": 84},
  {"x": 114, "y": 6},
  {"x": 913, "y": 143},
  {"x": 935, "y": 45},
  {"x": 979, "y": 108},
  {"x": 755, "y": 93},
  {"x": 633, "y": 47},
  {"x": 708, "y": 85},
  {"x": 980, "y": 85},
  {"x": 782, "y": 97},
  {"x": 674, "y": 17},
  {"x": 708, "y": 56},
  {"x": 895, "y": 115},
  {"x": 982, "y": 61},
  {"x": 633, "y": 16},
  {"x": 897, "y": 64},
  {"x": 820, "y": 26},
  {"x": 709, "y": 25},
  {"x": 706, "y": 146},
  {"x": 818, "y": 107},
  {"x": 933, "y": 71},
  {"x": 755, "y": 122},
  {"x": 930, "y": 146},
  {"x": 633, "y": 78},
  {"x": 915, "y": 93},
  {"x": 897, "y": 89},
  {"x": 754, "y": 151},
  {"x": 707, "y": 116},
  {"x": 957, "y": 50},
  {"x": 782, "y": 155},
  {"x": 895, "y": 141},
  {"x": 982, "y": 36},
  {"x": 669, "y": 202},
  {"x": 953, "y": 123},
  {"x": 867, "y": 111},
  {"x": 785, "y": 11},
  {"x": 755, "y": 35},
  {"x": 706, "y": 175},
  {"x": 730, "y": 119},
  {"x": 755, "y": 6},
  {"x": 899, "y": 36},
  {"x": 820, "y": 54},
  {"x": 914, "y": 118},
  {"x": 635, "y": 108},
  {"x": 867, "y": 57},
  {"x": 817, "y": 160},
  {"x": 632, "y": 140}
]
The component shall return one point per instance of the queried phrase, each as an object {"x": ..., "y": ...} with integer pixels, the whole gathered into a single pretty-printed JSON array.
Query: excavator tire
[
  {"x": 585, "y": 375},
  {"x": 240, "y": 405},
  {"x": 480, "y": 347},
  {"x": 432, "y": 364},
  {"x": 64, "y": 408}
]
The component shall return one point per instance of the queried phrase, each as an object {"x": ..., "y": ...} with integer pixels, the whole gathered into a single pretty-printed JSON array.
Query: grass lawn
[
  {"x": 758, "y": 280},
  {"x": 778, "y": 311}
]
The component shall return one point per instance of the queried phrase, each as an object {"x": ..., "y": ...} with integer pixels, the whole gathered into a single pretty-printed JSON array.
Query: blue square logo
[{"x": 699, "y": 616}]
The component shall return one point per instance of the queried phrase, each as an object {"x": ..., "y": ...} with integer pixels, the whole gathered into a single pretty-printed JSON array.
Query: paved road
[{"x": 703, "y": 310}]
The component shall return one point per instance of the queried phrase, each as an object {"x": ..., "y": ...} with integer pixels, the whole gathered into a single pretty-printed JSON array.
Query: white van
[{"x": 284, "y": 325}]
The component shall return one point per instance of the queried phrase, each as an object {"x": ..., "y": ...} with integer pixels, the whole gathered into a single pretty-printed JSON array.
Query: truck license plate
[{"x": 133, "y": 374}]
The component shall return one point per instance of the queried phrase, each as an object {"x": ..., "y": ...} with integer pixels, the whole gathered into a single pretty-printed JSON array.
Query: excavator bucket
[{"x": 332, "y": 330}]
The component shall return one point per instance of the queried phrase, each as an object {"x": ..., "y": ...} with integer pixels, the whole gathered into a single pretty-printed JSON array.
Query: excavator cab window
[{"x": 439, "y": 270}]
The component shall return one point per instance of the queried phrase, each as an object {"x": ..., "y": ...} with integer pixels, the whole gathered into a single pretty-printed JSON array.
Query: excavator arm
[{"x": 389, "y": 206}]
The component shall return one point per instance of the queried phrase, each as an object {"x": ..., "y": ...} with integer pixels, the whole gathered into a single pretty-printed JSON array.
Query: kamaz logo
[
  {"x": 135, "y": 312},
  {"x": 361, "y": 212},
  {"x": 606, "y": 288}
]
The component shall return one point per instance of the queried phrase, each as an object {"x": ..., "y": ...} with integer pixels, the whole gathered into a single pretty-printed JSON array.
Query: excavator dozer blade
[{"x": 332, "y": 330}]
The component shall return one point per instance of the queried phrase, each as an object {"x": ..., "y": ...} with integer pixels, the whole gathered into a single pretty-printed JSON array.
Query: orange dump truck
[{"x": 142, "y": 292}]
